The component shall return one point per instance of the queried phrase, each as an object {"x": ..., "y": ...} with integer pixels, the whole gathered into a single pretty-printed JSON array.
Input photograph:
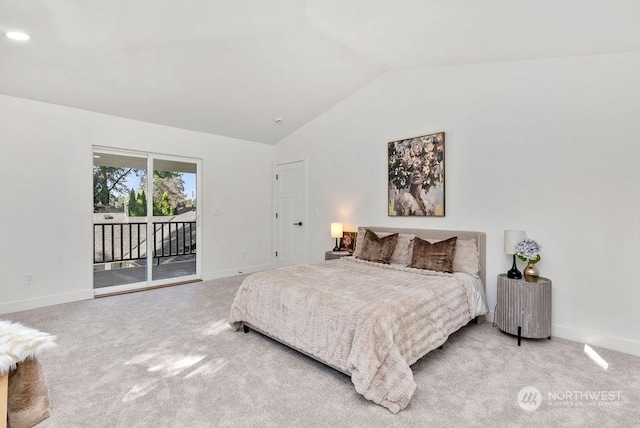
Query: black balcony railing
[{"x": 120, "y": 242}]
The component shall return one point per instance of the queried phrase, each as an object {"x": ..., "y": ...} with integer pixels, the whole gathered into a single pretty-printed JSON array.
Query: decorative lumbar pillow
[
  {"x": 438, "y": 256},
  {"x": 376, "y": 249}
]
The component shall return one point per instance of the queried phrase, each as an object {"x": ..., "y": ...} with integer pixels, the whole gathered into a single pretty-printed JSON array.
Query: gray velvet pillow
[
  {"x": 375, "y": 249},
  {"x": 438, "y": 256}
]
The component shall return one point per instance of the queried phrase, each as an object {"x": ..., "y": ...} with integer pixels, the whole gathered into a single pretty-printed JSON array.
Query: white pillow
[
  {"x": 467, "y": 257},
  {"x": 402, "y": 252},
  {"x": 359, "y": 239}
]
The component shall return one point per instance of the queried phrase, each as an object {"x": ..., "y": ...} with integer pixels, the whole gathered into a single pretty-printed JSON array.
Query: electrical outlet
[{"x": 29, "y": 278}]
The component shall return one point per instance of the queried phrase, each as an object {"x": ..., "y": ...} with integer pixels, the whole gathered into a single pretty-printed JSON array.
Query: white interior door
[{"x": 291, "y": 214}]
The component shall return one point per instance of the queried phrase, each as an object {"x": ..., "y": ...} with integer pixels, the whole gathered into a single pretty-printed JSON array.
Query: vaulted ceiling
[{"x": 231, "y": 67}]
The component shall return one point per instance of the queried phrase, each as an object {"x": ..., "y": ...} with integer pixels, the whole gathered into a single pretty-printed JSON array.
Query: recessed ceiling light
[
  {"x": 96, "y": 156},
  {"x": 17, "y": 35}
]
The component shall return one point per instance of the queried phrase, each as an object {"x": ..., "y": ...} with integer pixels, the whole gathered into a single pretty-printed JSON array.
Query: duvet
[{"x": 369, "y": 320}]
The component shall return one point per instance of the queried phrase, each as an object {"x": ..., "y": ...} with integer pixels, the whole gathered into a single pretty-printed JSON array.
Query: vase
[{"x": 531, "y": 273}]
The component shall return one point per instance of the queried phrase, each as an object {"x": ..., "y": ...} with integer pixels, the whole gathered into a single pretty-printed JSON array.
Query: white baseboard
[
  {"x": 233, "y": 272},
  {"x": 56, "y": 299},
  {"x": 39, "y": 302},
  {"x": 590, "y": 338},
  {"x": 594, "y": 339}
]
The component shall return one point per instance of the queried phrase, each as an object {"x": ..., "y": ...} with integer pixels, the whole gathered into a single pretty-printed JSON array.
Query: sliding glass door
[
  {"x": 174, "y": 219},
  {"x": 144, "y": 225}
]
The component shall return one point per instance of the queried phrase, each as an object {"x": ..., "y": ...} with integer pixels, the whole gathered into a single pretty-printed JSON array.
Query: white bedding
[
  {"x": 366, "y": 319},
  {"x": 475, "y": 290}
]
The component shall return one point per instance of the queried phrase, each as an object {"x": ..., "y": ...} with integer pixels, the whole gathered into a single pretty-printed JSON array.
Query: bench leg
[{"x": 4, "y": 390}]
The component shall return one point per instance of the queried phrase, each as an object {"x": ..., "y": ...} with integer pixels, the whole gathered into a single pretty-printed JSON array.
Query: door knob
[{"x": 298, "y": 223}]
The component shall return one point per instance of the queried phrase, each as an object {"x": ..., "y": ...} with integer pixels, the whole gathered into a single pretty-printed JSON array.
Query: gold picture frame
[{"x": 348, "y": 241}]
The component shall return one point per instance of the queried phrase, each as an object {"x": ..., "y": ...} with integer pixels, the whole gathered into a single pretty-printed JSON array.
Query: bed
[{"x": 367, "y": 317}]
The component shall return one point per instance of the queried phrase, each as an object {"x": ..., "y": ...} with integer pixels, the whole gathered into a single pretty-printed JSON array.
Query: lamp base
[
  {"x": 336, "y": 248},
  {"x": 514, "y": 273}
]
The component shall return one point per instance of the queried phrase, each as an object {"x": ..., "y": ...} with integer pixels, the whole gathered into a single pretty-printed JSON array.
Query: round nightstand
[{"x": 524, "y": 308}]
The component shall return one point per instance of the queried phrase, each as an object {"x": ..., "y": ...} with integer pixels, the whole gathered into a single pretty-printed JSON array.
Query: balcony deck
[{"x": 130, "y": 275}]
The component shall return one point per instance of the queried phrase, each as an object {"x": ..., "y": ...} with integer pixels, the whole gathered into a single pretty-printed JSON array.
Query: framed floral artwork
[
  {"x": 348, "y": 241},
  {"x": 416, "y": 176}
]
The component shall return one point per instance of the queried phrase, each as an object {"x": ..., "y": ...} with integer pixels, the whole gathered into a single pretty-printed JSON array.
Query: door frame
[
  {"x": 150, "y": 282},
  {"x": 275, "y": 203}
]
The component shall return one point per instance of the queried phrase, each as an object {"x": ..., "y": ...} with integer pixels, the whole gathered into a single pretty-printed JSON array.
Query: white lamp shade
[
  {"x": 336, "y": 230},
  {"x": 511, "y": 239}
]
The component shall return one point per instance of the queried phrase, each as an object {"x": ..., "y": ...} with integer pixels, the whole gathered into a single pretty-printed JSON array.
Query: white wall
[
  {"x": 549, "y": 147},
  {"x": 46, "y": 216}
]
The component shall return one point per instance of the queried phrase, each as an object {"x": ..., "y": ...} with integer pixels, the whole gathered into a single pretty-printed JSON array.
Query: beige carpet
[{"x": 167, "y": 358}]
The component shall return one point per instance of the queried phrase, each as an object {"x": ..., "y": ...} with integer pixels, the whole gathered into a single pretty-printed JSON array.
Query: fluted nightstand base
[{"x": 524, "y": 308}]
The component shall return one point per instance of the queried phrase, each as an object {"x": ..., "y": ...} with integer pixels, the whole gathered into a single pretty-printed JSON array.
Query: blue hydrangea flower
[{"x": 528, "y": 250}]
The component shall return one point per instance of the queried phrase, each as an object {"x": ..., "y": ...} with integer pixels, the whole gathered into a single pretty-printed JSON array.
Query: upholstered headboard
[{"x": 480, "y": 238}]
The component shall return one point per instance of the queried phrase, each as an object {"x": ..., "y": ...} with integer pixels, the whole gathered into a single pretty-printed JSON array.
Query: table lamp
[
  {"x": 511, "y": 239},
  {"x": 336, "y": 232}
]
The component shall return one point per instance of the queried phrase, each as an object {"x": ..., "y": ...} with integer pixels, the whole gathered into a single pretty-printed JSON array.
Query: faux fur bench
[{"x": 24, "y": 396}]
